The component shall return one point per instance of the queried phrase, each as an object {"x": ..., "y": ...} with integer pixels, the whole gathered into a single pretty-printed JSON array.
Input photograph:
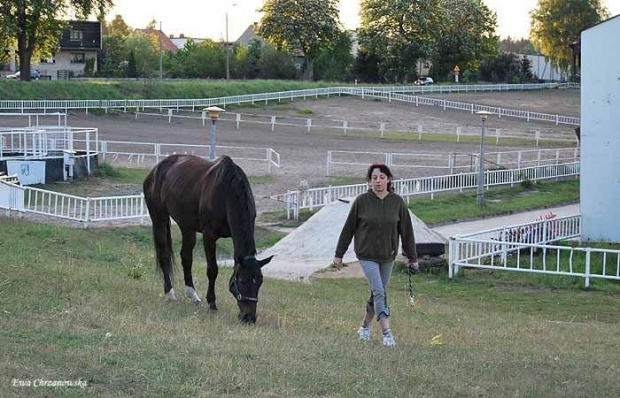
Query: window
[
  {"x": 77, "y": 58},
  {"x": 76, "y": 35}
]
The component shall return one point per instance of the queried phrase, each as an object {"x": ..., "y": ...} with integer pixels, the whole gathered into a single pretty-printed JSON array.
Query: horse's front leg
[
  {"x": 187, "y": 249},
  {"x": 212, "y": 270}
]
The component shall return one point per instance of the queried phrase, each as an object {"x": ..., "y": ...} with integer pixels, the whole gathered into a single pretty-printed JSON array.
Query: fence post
[
  {"x": 203, "y": 117},
  {"x": 557, "y": 119},
  {"x": 157, "y": 152},
  {"x": 238, "y": 120},
  {"x": 87, "y": 215},
  {"x": 451, "y": 162},
  {"x": 458, "y": 134},
  {"x": 268, "y": 152},
  {"x": 419, "y": 132},
  {"x": 329, "y": 160},
  {"x": 444, "y": 104},
  {"x": 588, "y": 263},
  {"x": 142, "y": 209},
  {"x": 273, "y": 123},
  {"x": 519, "y": 160},
  {"x": 528, "y": 116},
  {"x": 537, "y": 134},
  {"x": 417, "y": 100},
  {"x": 169, "y": 115},
  {"x": 382, "y": 128},
  {"x": 497, "y": 131},
  {"x": 472, "y": 108},
  {"x": 309, "y": 124},
  {"x": 345, "y": 125}
]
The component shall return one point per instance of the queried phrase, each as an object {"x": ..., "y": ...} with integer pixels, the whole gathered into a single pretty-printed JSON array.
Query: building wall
[
  {"x": 600, "y": 132},
  {"x": 542, "y": 68},
  {"x": 63, "y": 63}
]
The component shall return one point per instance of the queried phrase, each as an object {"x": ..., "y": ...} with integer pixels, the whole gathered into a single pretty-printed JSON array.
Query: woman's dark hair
[{"x": 382, "y": 168}]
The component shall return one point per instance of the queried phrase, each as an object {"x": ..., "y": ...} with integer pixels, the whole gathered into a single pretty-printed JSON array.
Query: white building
[{"x": 600, "y": 132}]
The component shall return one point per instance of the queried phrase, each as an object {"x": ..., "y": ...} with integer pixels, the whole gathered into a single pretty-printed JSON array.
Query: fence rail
[
  {"x": 452, "y": 162},
  {"x": 140, "y": 152},
  {"x": 528, "y": 248},
  {"x": 318, "y": 197},
  {"x": 388, "y": 92}
]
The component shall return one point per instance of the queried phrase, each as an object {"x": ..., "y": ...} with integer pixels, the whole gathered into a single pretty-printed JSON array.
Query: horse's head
[{"x": 244, "y": 285}]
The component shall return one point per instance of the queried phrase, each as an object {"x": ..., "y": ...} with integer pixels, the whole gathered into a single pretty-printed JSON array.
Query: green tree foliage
[
  {"x": 114, "y": 54},
  {"x": 275, "y": 64},
  {"x": 132, "y": 69},
  {"x": 517, "y": 46},
  {"x": 399, "y": 33},
  {"x": 465, "y": 36},
  {"x": 366, "y": 67},
  {"x": 556, "y": 24},
  {"x": 146, "y": 53},
  {"x": 335, "y": 62},
  {"x": 303, "y": 26},
  {"x": 506, "y": 68},
  {"x": 37, "y": 25}
]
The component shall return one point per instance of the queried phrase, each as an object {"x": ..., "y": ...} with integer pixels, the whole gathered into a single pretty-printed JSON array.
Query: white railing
[
  {"x": 45, "y": 141},
  {"x": 528, "y": 248},
  {"x": 318, "y": 197},
  {"x": 34, "y": 118},
  {"x": 345, "y": 126},
  {"x": 71, "y": 207},
  {"x": 140, "y": 152},
  {"x": 472, "y": 108},
  {"x": 388, "y": 92},
  {"x": 452, "y": 162}
]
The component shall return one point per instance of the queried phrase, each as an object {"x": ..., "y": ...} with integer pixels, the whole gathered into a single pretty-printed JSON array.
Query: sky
[{"x": 207, "y": 19}]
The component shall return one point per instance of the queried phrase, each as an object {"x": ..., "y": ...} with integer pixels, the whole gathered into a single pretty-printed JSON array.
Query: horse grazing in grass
[{"x": 214, "y": 198}]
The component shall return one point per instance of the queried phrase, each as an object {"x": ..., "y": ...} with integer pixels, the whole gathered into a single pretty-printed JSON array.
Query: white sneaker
[
  {"x": 364, "y": 333},
  {"x": 389, "y": 341}
]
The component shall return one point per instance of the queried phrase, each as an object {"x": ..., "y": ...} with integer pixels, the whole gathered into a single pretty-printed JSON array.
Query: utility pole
[
  {"x": 161, "y": 62},
  {"x": 227, "y": 51}
]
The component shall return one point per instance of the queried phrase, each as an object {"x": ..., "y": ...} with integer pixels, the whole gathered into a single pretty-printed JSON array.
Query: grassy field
[
  {"x": 75, "y": 308},
  {"x": 145, "y": 89}
]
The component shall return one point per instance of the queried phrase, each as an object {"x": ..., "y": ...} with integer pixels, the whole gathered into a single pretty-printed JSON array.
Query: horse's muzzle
[{"x": 247, "y": 318}]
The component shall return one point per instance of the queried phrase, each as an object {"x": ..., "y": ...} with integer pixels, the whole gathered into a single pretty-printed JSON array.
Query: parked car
[
  {"x": 423, "y": 81},
  {"x": 34, "y": 75}
]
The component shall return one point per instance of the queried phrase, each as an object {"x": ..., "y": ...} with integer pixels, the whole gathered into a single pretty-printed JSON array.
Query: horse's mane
[{"x": 239, "y": 197}]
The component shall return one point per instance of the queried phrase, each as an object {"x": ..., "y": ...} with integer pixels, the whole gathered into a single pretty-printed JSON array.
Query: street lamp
[
  {"x": 214, "y": 114},
  {"x": 480, "y": 196}
]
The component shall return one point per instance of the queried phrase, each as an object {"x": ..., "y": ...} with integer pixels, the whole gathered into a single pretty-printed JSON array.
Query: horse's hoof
[
  {"x": 192, "y": 295},
  {"x": 171, "y": 296}
]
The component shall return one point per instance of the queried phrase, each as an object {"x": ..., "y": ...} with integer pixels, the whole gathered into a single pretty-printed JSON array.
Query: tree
[
  {"x": 556, "y": 24},
  {"x": 303, "y": 26},
  {"x": 145, "y": 48},
  {"x": 132, "y": 69},
  {"x": 152, "y": 24},
  {"x": 506, "y": 68},
  {"x": 117, "y": 27},
  {"x": 366, "y": 67},
  {"x": 465, "y": 36},
  {"x": 275, "y": 64},
  {"x": 114, "y": 54},
  {"x": 518, "y": 46},
  {"x": 36, "y": 24},
  {"x": 335, "y": 62},
  {"x": 399, "y": 33}
]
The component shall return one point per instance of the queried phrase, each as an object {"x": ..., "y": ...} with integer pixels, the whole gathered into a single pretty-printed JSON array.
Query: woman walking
[{"x": 377, "y": 218}]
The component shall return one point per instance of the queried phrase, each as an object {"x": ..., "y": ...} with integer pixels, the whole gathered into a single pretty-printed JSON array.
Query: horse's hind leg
[
  {"x": 163, "y": 250},
  {"x": 212, "y": 270},
  {"x": 187, "y": 249}
]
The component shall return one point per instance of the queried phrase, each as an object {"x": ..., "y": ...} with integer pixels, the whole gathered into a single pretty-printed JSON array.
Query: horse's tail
[{"x": 160, "y": 219}]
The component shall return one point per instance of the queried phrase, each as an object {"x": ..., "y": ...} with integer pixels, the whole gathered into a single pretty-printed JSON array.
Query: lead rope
[{"x": 411, "y": 295}]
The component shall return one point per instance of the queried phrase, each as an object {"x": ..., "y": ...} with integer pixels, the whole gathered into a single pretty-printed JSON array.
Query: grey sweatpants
[{"x": 378, "y": 276}]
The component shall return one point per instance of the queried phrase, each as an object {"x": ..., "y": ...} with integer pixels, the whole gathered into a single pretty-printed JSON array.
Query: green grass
[
  {"x": 71, "y": 310},
  {"x": 498, "y": 201},
  {"x": 118, "y": 89}
]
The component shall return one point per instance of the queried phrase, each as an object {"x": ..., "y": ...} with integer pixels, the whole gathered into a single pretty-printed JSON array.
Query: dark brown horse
[{"x": 214, "y": 198}]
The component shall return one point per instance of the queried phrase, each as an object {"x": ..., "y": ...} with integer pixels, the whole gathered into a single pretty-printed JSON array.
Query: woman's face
[{"x": 379, "y": 181}]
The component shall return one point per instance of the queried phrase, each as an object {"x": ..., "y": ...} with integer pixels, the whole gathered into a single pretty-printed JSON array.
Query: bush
[{"x": 106, "y": 170}]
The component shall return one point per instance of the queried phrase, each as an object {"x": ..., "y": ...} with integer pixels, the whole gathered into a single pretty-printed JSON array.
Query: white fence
[
  {"x": 34, "y": 119},
  {"x": 140, "y": 152},
  {"x": 471, "y": 108},
  {"x": 388, "y": 92},
  {"x": 527, "y": 248},
  {"x": 318, "y": 197},
  {"x": 452, "y": 162},
  {"x": 71, "y": 207},
  {"x": 45, "y": 141}
]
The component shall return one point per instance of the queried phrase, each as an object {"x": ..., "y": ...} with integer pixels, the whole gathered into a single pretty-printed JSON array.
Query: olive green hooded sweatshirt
[{"x": 376, "y": 225}]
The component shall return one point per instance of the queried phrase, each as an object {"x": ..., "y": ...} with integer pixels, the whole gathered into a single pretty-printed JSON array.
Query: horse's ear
[{"x": 264, "y": 262}]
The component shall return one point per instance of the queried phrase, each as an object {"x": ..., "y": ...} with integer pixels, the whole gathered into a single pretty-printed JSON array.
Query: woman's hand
[
  {"x": 413, "y": 266},
  {"x": 337, "y": 263}
]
